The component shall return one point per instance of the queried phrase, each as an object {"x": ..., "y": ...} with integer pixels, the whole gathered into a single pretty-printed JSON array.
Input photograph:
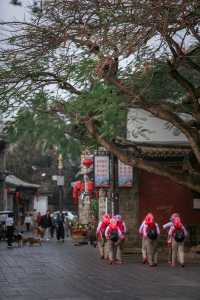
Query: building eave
[
  {"x": 17, "y": 182},
  {"x": 155, "y": 149}
]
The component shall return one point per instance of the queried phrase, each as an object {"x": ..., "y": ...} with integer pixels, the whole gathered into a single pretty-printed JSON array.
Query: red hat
[
  {"x": 106, "y": 219},
  {"x": 177, "y": 222},
  {"x": 149, "y": 219},
  {"x": 113, "y": 223}
]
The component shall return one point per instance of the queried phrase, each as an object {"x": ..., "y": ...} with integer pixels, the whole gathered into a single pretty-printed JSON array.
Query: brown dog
[
  {"x": 25, "y": 240},
  {"x": 40, "y": 232},
  {"x": 18, "y": 239},
  {"x": 31, "y": 241},
  {"x": 34, "y": 241}
]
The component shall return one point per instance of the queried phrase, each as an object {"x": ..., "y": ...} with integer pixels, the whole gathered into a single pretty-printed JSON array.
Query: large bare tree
[{"x": 79, "y": 46}]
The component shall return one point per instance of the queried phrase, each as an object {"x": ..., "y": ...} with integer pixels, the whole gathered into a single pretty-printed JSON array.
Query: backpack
[
  {"x": 152, "y": 232},
  {"x": 114, "y": 236},
  {"x": 179, "y": 235}
]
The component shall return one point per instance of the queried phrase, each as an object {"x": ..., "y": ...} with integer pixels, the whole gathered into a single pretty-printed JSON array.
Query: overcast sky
[{"x": 9, "y": 12}]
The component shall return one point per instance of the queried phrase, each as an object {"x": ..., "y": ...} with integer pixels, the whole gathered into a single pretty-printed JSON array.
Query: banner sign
[
  {"x": 101, "y": 171},
  {"x": 125, "y": 175}
]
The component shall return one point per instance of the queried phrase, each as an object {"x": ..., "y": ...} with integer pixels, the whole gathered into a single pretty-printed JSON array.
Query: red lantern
[
  {"x": 87, "y": 162},
  {"x": 78, "y": 184},
  {"x": 77, "y": 187},
  {"x": 90, "y": 186}
]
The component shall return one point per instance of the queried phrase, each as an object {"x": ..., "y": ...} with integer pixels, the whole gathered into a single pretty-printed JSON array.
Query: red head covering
[
  {"x": 149, "y": 219},
  {"x": 113, "y": 223},
  {"x": 118, "y": 218},
  {"x": 174, "y": 215},
  {"x": 177, "y": 222},
  {"x": 106, "y": 219}
]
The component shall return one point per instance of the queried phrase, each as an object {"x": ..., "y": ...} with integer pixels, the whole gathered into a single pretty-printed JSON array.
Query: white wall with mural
[{"x": 143, "y": 127}]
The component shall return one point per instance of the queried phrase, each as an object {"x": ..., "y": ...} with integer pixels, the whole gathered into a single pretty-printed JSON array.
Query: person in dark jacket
[
  {"x": 60, "y": 230},
  {"x": 10, "y": 229},
  {"x": 46, "y": 224}
]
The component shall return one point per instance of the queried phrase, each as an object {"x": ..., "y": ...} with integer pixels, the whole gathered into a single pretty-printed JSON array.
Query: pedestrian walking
[
  {"x": 60, "y": 230},
  {"x": 149, "y": 231},
  {"x": 144, "y": 244},
  {"x": 101, "y": 238},
  {"x": 67, "y": 226},
  {"x": 91, "y": 232},
  {"x": 176, "y": 237},
  {"x": 166, "y": 227},
  {"x": 52, "y": 226},
  {"x": 45, "y": 223},
  {"x": 28, "y": 222},
  {"x": 38, "y": 219},
  {"x": 10, "y": 228},
  {"x": 122, "y": 226},
  {"x": 113, "y": 235}
]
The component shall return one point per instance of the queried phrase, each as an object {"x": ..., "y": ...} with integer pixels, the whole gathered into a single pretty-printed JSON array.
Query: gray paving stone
[{"x": 61, "y": 272}]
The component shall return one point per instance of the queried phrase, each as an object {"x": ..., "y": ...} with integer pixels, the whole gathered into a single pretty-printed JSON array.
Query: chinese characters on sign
[
  {"x": 101, "y": 171},
  {"x": 125, "y": 175}
]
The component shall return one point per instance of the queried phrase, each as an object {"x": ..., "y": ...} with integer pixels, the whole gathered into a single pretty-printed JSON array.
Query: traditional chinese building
[{"x": 157, "y": 141}]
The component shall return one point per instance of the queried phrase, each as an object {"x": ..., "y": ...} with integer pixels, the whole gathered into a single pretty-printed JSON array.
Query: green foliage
[
  {"x": 35, "y": 125},
  {"x": 155, "y": 83},
  {"x": 104, "y": 103}
]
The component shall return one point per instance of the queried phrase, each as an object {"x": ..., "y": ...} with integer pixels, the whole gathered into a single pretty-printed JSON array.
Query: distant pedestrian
[
  {"x": 91, "y": 232},
  {"x": 59, "y": 224},
  {"x": 176, "y": 238},
  {"x": 10, "y": 228},
  {"x": 53, "y": 226},
  {"x": 150, "y": 232},
  {"x": 38, "y": 219},
  {"x": 67, "y": 226},
  {"x": 28, "y": 222},
  {"x": 101, "y": 238},
  {"x": 46, "y": 225}
]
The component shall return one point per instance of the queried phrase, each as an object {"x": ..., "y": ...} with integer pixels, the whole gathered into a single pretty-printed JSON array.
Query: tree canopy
[{"x": 108, "y": 56}]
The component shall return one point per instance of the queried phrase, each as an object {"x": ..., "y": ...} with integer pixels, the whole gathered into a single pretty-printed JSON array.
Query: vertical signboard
[
  {"x": 125, "y": 175},
  {"x": 101, "y": 171}
]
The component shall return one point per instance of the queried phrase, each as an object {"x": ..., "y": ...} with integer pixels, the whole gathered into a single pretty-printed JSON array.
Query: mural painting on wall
[{"x": 142, "y": 126}]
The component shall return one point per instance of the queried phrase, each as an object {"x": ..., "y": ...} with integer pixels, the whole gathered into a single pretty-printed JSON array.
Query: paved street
[{"x": 57, "y": 271}]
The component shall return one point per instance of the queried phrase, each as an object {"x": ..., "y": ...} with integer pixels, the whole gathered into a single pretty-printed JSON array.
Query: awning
[{"x": 13, "y": 180}]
